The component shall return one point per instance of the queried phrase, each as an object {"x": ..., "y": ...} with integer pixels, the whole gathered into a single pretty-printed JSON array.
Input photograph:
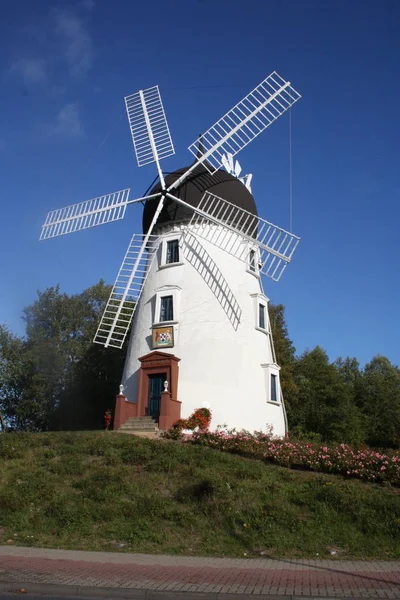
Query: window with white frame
[
  {"x": 273, "y": 387},
  {"x": 272, "y": 383},
  {"x": 167, "y": 303},
  {"x": 261, "y": 316},
  {"x": 252, "y": 261},
  {"x": 166, "y": 308},
  {"x": 172, "y": 252},
  {"x": 260, "y": 305}
]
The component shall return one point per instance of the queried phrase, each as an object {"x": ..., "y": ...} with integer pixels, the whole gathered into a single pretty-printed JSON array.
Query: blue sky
[{"x": 65, "y": 68}]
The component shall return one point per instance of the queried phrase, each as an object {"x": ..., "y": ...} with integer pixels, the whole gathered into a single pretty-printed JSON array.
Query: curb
[{"x": 48, "y": 589}]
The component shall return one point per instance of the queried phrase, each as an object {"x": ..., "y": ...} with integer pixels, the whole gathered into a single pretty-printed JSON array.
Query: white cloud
[
  {"x": 67, "y": 123},
  {"x": 32, "y": 70},
  {"x": 78, "y": 46},
  {"x": 61, "y": 42}
]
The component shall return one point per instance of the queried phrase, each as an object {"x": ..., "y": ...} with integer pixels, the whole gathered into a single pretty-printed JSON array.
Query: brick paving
[{"x": 217, "y": 576}]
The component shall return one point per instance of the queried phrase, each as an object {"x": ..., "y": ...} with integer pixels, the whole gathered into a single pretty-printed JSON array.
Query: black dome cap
[{"x": 222, "y": 184}]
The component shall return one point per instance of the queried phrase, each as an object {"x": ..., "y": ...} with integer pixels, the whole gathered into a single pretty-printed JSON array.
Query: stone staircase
[{"x": 140, "y": 426}]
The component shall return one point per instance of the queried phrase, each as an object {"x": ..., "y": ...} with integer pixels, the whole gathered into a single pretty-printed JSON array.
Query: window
[
  {"x": 252, "y": 261},
  {"x": 260, "y": 308},
  {"x": 271, "y": 382},
  {"x": 172, "y": 255},
  {"x": 261, "y": 316},
  {"x": 166, "y": 309},
  {"x": 167, "y": 304},
  {"x": 273, "y": 388}
]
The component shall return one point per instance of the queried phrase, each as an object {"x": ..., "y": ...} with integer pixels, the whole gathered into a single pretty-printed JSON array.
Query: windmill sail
[
  {"x": 90, "y": 213},
  {"x": 275, "y": 245},
  {"x": 149, "y": 128},
  {"x": 245, "y": 121},
  {"x": 127, "y": 289}
]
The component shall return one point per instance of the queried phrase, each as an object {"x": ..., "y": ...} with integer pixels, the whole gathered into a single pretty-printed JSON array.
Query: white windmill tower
[{"x": 201, "y": 330}]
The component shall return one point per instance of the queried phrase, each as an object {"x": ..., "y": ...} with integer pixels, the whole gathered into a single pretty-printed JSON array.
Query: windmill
[{"x": 203, "y": 222}]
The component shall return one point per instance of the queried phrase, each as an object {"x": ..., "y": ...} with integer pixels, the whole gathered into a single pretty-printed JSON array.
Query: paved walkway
[{"x": 215, "y": 576}]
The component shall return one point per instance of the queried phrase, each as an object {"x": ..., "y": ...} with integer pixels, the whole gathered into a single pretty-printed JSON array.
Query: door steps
[{"x": 140, "y": 426}]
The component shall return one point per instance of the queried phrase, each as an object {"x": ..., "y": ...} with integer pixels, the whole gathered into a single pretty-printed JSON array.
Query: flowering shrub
[
  {"x": 366, "y": 464},
  {"x": 107, "y": 419},
  {"x": 200, "y": 420}
]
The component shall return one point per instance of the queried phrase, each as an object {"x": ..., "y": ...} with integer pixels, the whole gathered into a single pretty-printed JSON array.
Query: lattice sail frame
[
  {"x": 98, "y": 211},
  {"x": 238, "y": 231},
  {"x": 149, "y": 128},
  {"x": 118, "y": 313},
  {"x": 245, "y": 121}
]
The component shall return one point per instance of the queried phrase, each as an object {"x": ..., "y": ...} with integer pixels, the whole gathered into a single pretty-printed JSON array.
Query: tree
[
  {"x": 324, "y": 402},
  {"x": 55, "y": 377},
  {"x": 15, "y": 373},
  {"x": 351, "y": 376},
  {"x": 379, "y": 401}
]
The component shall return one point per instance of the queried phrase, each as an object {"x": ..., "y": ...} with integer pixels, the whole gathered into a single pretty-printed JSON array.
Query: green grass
[{"x": 104, "y": 491}]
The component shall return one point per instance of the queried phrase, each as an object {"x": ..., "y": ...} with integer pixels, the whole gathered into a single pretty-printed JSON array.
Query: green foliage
[
  {"x": 55, "y": 377},
  {"x": 103, "y": 491},
  {"x": 324, "y": 403},
  {"x": 379, "y": 400}
]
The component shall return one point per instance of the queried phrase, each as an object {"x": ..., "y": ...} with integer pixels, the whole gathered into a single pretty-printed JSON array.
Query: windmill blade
[
  {"x": 238, "y": 169},
  {"x": 246, "y": 180},
  {"x": 90, "y": 213},
  {"x": 236, "y": 231},
  {"x": 149, "y": 128},
  {"x": 245, "y": 121},
  {"x": 127, "y": 289},
  {"x": 227, "y": 162}
]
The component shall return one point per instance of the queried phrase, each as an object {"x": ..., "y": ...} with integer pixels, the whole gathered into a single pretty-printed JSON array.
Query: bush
[
  {"x": 200, "y": 420},
  {"x": 342, "y": 459}
]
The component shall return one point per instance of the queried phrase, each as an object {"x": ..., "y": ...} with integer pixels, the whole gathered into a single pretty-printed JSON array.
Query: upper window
[
  {"x": 172, "y": 254},
  {"x": 166, "y": 308},
  {"x": 274, "y": 395},
  {"x": 261, "y": 316},
  {"x": 260, "y": 308},
  {"x": 252, "y": 261}
]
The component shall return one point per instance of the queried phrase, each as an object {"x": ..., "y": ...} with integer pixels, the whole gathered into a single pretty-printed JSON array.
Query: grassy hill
[{"x": 105, "y": 491}]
